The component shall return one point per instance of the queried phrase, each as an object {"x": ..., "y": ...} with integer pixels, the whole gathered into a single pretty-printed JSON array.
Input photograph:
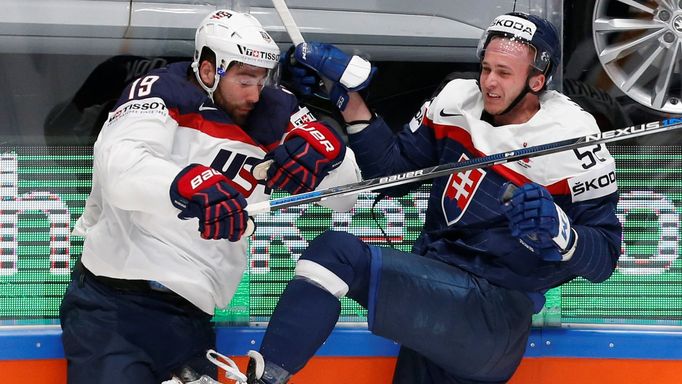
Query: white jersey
[
  {"x": 464, "y": 223},
  {"x": 131, "y": 228},
  {"x": 458, "y": 109}
]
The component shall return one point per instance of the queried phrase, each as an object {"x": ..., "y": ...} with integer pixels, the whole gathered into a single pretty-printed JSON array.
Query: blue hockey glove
[
  {"x": 202, "y": 192},
  {"x": 538, "y": 223},
  {"x": 348, "y": 73},
  {"x": 302, "y": 80},
  {"x": 305, "y": 157}
]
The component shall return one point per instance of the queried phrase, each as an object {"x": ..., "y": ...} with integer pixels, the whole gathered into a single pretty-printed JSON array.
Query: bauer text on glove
[
  {"x": 202, "y": 192},
  {"x": 306, "y": 156}
]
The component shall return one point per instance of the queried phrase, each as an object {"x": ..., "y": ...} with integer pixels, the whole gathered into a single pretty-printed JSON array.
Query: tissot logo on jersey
[
  {"x": 138, "y": 106},
  {"x": 459, "y": 191},
  {"x": 258, "y": 54}
]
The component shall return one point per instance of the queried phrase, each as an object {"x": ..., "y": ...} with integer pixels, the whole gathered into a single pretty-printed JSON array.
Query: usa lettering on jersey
[
  {"x": 237, "y": 168},
  {"x": 459, "y": 192}
]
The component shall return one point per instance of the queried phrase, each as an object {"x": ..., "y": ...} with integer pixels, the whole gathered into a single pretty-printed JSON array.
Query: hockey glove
[
  {"x": 302, "y": 80},
  {"x": 305, "y": 157},
  {"x": 348, "y": 73},
  {"x": 538, "y": 223},
  {"x": 202, "y": 192}
]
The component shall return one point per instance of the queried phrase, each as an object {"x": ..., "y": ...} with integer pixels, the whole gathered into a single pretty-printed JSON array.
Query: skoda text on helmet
[
  {"x": 233, "y": 37},
  {"x": 528, "y": 29}
]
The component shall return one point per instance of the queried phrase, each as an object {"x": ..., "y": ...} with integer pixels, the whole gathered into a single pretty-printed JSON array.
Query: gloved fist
[
  {"x": 305, "y": 157},
  {"x": 538, "y": 223},
  {"x": 348, "y": 73},
  {"x": 202, "y": 192},
  {"x": 302, "y": 80}
]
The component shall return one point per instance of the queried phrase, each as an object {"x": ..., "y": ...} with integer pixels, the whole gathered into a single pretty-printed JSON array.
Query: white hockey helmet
[{"x": 233, "y": 36}]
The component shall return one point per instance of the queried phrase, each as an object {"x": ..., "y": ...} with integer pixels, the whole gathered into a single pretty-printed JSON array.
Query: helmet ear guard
[
  {"x": 233, "y": 37},
  {"x": 531, "y": 30}
]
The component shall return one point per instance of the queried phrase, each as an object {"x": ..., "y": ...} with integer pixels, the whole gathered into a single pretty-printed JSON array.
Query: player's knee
[{"x": 336, "y": 261}]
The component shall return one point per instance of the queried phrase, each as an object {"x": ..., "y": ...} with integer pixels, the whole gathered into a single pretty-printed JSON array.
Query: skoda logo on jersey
[{"x": 459, "y": 190}]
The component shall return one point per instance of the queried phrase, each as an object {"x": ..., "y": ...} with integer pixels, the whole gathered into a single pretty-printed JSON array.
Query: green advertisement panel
[{"x": 43, "y": 192}]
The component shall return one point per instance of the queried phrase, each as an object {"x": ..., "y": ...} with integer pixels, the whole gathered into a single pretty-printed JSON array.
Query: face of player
[
  {"x": 239, "y": 90},
  {"x": 505, "y": 71}
]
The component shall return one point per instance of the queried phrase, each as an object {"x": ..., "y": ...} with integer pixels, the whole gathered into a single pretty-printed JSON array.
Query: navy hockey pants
[
  {"x": 454, "y": 327},
  {"x": 113, "y": 335}
]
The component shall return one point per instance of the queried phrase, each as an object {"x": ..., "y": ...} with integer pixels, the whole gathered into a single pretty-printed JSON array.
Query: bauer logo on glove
[
  {"x": 307, "y": 154},
  {"x": 206, "y": 194}
]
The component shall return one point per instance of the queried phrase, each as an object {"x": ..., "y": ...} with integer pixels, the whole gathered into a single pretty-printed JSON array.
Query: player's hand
[
  {"x": 202, "y": 192},
  {"x": 538, "y": 223},
  {"x": 301, "y": 80},
  {"x": 348, "y": 73},
  {"x": 305, "y": 157}
]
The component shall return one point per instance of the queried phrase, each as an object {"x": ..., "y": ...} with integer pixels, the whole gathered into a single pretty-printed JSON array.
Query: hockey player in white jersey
[
  {"x": 165, "y": 225},
  {"x": 494, "y": 239}
]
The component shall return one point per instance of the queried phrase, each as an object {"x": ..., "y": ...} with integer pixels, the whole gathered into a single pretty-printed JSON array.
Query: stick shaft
[
  {"x": 293, "y": 31},
  {"x": 288, "y": 21},
  {"x": 479, "y": 162}
]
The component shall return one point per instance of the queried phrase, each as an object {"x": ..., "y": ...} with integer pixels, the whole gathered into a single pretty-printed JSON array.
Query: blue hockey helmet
[{"x": 533, "y": 30}]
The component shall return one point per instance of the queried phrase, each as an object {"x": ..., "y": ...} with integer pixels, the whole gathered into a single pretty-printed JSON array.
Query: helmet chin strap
[
  {"x": 209, "y": 90},
  {"x": 526, "y": 90}
]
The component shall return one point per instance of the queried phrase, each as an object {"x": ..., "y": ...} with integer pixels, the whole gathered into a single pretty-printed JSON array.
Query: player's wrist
[
  {"x": 357, "y": 126},
  {"x": 357, "y": 115}
]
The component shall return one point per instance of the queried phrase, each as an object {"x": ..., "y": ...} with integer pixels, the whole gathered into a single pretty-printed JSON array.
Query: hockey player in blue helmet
[
  {"x": 538, "y": 34},
  {"x": 494, "y": 240}
]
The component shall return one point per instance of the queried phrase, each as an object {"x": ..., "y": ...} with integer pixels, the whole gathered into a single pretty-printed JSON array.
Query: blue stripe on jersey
[{"x": 266, "y": 124}]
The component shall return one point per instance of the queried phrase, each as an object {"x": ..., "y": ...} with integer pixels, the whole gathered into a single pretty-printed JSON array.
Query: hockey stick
[
  {"x": 288, "y": 21},
  {"x": 480, "y": 162},
  {"x": 293, "y": 31},
  {"x": 260, "y": 171}
]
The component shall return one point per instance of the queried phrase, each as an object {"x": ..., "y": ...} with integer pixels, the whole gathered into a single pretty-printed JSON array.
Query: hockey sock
[{"x": 303, "y": 319}]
